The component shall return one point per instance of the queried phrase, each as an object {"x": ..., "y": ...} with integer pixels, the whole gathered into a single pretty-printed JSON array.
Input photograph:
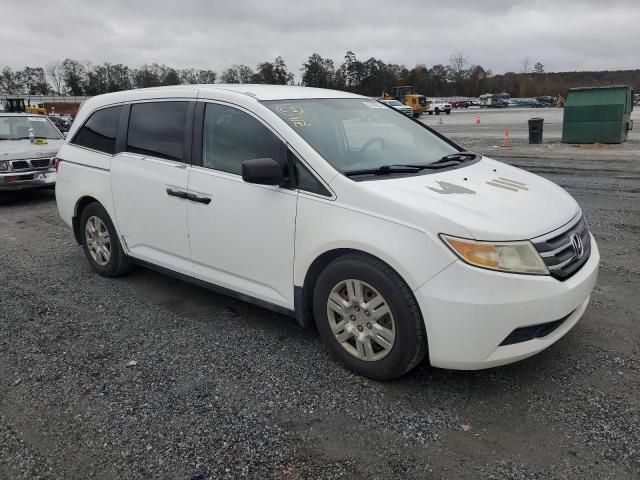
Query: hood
[
  {"x": 21, "y": 149},
  {"x": 488, "y": 199}
]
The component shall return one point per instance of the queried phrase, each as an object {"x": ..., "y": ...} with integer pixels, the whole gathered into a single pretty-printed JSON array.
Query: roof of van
[
  {"x": 279, "y": 92},
  {"x": 257, "y": 91}
]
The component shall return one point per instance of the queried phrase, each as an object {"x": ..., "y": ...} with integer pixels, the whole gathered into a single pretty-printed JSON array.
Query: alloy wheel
[
  {"x": 98, "y": 240},
  {"x": 361, "y": 320}
]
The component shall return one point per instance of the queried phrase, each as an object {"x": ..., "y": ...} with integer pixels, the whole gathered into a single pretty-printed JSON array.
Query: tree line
[{"x": 368, "y": 77}]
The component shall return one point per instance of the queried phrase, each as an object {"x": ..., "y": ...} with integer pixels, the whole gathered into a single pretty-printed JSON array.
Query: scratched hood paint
[
  {"x": 21, "y": 149},
  {"x": 488, "y": 199}
]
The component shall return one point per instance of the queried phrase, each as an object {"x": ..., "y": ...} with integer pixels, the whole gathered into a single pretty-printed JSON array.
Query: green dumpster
[{"x": 597, "y": 114}]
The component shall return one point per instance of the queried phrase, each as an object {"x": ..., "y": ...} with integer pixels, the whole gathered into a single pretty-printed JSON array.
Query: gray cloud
[{"x": 567, "y": 35}]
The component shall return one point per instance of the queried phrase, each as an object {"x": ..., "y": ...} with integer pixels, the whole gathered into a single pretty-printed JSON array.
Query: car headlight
[
  {"x": 4, "y": 165},
  {"x": 513, "y": 257}
]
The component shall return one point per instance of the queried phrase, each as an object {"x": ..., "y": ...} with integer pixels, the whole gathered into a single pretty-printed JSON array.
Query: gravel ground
[{"x": 223, "y": 389}]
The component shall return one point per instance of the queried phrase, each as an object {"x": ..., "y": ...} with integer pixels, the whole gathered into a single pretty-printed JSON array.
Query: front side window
[
  {"x": 158, "y": 129},
  {"x": 16, "y": 127},
  {"x": 358, "y": 133},
  {"x": 232, "y": 136},
  {"x": 99, "y": 131},
  {"x": 306, "y": 181}
]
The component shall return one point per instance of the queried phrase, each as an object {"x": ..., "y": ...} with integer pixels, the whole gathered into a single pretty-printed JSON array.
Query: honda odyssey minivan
[{"x": 335, "y": 209}]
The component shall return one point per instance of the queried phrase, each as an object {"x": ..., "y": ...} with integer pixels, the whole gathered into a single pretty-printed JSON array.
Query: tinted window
[
  {"x": 308, "y": 182},
  {"x": 158, "y": 129},
  {"x": 99, "y": 132},
  {"x": 232, "y": 136}
]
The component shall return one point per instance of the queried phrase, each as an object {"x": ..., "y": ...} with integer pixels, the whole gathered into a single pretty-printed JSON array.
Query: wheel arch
[
  {"x": 81, "y": 204},
  {"x": 303, "y": 295}
]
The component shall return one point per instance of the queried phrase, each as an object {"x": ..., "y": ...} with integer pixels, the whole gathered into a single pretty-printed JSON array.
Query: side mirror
[{"x": 263, "y": 171}]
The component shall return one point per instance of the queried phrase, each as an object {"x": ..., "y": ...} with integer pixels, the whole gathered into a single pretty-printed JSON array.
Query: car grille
[
  {"x": 31, "y": 164},
  {"x": 566, "y": 249}
]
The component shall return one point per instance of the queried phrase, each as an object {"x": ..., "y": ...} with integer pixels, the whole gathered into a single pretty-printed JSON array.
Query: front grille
[
  {"x": 524, "y": 334},
  {"x": 558, "y": 248},
  {"x": 20, "y": 165},
  {"x": 40, "y": 163},
  {"x": 33, "y": 163}
]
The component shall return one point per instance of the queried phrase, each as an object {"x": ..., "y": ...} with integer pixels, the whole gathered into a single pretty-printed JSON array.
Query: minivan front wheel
[
  {"x": 369, "y": 317},
  {"x": 100, "y": 242}
]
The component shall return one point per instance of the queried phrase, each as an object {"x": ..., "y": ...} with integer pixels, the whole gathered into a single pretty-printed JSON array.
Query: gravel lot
[{"x": 223, "y": 389}]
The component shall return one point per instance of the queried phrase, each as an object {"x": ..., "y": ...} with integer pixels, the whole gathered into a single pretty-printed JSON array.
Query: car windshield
[
  {"x": 356, "y": 134},
  {"x": 17, "y": 127},
  {"x": 395, "y": 103}
]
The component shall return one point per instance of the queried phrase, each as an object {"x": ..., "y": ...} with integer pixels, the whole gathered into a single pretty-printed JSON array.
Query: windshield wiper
[
  {"x": 385, "y": 170},
  {"x": 456, "y": 157},
  {"x": 446, "y": 161}
]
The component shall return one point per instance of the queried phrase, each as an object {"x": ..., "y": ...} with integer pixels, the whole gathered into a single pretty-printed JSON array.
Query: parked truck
[{"x": 407, "y": 95}]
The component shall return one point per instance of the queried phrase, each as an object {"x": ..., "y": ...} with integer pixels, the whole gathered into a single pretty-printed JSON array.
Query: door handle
[
  {"x": 195, "y": 198},
  {"x": 177, "y": 193},
  {"x": 188, "y": 196}
]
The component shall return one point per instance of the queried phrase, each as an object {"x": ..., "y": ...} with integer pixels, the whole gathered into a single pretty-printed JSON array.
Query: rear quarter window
[
  {"x": 100, "y": 130},
  {"x": 158, "y": 129}
]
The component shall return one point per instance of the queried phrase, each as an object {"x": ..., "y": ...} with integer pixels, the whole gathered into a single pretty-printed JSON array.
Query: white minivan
[{"x": 334, "y": 209}]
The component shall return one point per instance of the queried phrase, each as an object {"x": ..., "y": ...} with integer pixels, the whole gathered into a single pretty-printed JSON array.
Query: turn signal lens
[
  {"x": 4, "y": 165},
  {"x": 514, "y": 257}
]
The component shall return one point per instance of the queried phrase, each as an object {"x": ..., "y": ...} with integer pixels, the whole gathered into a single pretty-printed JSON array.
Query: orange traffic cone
[
  {"x": 478, "y": 120},
  {"x": 506, "y": 141}
]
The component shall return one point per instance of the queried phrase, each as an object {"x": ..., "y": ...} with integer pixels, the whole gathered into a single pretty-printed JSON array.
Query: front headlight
[
  {"x": 514, "y": 257},
  {"x": 4, "y": 165}
]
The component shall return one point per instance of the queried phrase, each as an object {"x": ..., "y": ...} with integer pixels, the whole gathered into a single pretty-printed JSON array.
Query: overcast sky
[{"x": 563, "y": 35}]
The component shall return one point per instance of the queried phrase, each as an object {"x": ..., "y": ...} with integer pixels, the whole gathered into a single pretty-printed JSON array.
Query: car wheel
[
  {"x": 437, "y": 111},
  {"x": 100, "y": 242},
  {"x": 369, "y": 317},
  {"x": 430, "y": 113},
  {"x": 448, "y": 112}
]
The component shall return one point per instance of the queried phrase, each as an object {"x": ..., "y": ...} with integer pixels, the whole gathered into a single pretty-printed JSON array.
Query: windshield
[
  {"x": 355, "y": 134},
  {"x": 17, "y": 128},
  {"x": 395, "y": 103}
]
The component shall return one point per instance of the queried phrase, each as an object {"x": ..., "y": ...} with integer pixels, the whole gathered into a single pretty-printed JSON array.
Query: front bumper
[
  {"x": 469, "y": 312},
  {"x": 31, "y": 179}
]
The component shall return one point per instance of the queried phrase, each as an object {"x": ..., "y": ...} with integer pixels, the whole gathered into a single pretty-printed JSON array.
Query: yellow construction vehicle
[
  {"x": 18, "y": 105},
  {"x": 407, "y": 95}
]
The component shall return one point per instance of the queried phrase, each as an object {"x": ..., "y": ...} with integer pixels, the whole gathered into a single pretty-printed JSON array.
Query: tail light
[{"x": 56, "y": 163}]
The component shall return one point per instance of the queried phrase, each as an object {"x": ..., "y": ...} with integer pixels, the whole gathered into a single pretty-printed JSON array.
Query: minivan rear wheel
[
  {"x": 369, "y": 317},
  {"x": 100, "y": 242}
]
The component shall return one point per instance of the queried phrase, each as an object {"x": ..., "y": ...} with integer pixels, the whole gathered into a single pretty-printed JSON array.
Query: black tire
[
  {"x": 448, "y": 112},
  {"x": 118, "y": 263},
  {"x": 410, "y": 345},
  {"x": 437, "y": 111},
  {"x": 430, "y": 113}
]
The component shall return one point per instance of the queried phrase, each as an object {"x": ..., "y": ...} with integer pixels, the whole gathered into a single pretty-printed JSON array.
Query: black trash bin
[{"x": 535, "y": 130}]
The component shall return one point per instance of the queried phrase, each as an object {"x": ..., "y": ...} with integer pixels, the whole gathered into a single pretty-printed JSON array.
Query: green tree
[
  {"x": 33, "y": 81},
  {"x": 275, "y": 73},
  {"x": 206, "y": 76},
  {"x": 318, "y": 72},
  {"x": 147, "y": 76},
  {"x": 237, "y": 74},
  {"x": 74, "y": 76},
  {"x": 10, "y": 81}
]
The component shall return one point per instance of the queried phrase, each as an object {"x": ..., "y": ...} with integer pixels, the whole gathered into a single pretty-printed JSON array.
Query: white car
[
  {"x": 438, "y": 106},
  {"x": 27, "y": 161},
  {"x": 407, "y": 110},
  {"x": 329, "y": 207}
]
